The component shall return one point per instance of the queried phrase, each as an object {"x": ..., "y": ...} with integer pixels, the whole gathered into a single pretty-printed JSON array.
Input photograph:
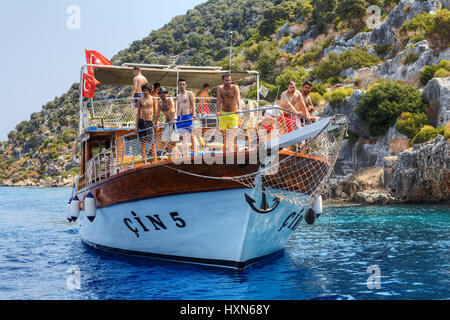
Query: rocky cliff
[{"x": 319, "y": 40}]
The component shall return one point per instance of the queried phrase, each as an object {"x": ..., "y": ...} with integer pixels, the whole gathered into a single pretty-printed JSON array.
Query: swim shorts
[
  {"x": 145, "y": 128},
  {"x": 137, "y": 96},
  {"x": 185, "y": 126},
  {"x": 287, "y": 123},
  {"x": 228, "y": 120},
  {"x": 204, "y": 108}
]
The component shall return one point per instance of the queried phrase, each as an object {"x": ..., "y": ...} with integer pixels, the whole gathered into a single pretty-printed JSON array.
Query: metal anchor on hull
[{"x": 264, "y": 207}]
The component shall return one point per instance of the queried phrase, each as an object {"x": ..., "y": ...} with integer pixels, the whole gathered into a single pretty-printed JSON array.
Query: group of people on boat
[{"x": 153, "y": 102}]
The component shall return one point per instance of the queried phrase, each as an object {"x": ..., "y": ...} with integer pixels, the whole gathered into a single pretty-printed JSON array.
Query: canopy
[{"x": 167, "y": 76}]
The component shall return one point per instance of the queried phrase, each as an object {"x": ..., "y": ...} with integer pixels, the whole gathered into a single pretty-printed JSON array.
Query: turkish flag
[
  {"x": 89, "y": 84},
  {"x": 93, "y": 57}
]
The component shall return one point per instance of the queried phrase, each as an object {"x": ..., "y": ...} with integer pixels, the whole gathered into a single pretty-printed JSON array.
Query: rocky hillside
[{"x": 392, "y": 81}]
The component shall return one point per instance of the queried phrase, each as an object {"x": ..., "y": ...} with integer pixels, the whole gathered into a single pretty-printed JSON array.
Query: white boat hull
[{"x": 213, "y": 228}]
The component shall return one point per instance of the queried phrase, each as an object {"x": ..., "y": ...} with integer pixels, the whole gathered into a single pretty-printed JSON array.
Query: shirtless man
[
  {"x": 228, "y": 107},
  {"x": 185, "y": 111},
  {"x": 138, "y": 81},
  {"x": 307, "y": 85},
  {"x": 292, "y": 100},
  {"x": 167, "y": 106},
  {"x": 144, "y": 120},
  {"x": 156, "y": 88},
  {"x": 204, "y": 94}
]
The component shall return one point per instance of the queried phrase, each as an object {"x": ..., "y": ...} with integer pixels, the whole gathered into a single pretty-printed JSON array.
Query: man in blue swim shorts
[{"x": 185, "y": 112}]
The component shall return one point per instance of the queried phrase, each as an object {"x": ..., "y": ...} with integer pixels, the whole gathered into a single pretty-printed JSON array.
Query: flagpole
[
  {"x": 80, "y": 131},
  {"x": 231, "y": 49}
]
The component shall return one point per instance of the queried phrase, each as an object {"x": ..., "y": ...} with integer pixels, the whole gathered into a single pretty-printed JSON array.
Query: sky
[{"x": 42, "y": 44}]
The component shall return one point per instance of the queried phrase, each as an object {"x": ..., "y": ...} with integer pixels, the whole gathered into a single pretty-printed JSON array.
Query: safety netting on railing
[
  {"x": 298, "y": 173},
  {"x": 121, "y": 113},
  {"x": 117, "y": 113},
  {"x": 295, "y": 173}
]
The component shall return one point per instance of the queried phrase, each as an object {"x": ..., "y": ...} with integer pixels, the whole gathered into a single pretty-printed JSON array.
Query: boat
[{"x": 199, "y": 201}]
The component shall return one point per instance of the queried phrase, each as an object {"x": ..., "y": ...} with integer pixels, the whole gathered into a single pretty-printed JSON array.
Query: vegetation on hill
[
  {"x": 432, "y": 27},
  {"x": 380, "y": 107},
  {"x": 43, "y": 146}
]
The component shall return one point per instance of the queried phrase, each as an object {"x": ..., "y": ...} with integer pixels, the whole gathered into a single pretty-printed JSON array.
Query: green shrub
[
  {"x": 316, "y": 98},
  {"x": 69, "y": 136},
  {"x": 314, "y": 53},
  {"x": 266, "y": 61},
  {"x": 383, "y": 49},
  {"x": 410, "y": 58},
  {"x": 352, "y": 12},
  {"x": 425, "y": 134},
  {"x": 334, "y": 64},
  {"x": 444, "y": 64},
  {"x": 382, "y": 104},
  {"x": 319, "y": 88},
  {"x": 338, "y": 97},
  {"x": 433, "y": 27},
  {"x": 445, "y": 131},
  {"x": 427, "y": 74},
  {"x": 410, "y": 124},
  {"x": 290, "y": 74},
  {"x": 442, "y": 73},
  {"x": 276, "y": 16},
  {"x": 324, "y": 13}
]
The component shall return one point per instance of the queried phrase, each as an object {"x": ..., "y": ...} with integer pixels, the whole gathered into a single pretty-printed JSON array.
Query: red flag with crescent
[
  {"x": 89, "y": 84},
  {"x": 93, "y": 57}
]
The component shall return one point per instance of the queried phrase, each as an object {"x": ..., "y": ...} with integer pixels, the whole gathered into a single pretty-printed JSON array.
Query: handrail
[
  {"x": 112, "y": 160},
  {"x": 193, "y": 119}
]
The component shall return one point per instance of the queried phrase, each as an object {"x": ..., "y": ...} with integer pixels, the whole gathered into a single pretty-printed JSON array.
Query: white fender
[
  {"x": 75, "y": 208},
  {"x": 90, "y": 206},
  {"x": 68, "y": 213},
  {"x": 317, "y": 205}
]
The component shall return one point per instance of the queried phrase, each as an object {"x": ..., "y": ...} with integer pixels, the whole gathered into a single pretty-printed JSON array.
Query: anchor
[{"x": 264, "y": 208}]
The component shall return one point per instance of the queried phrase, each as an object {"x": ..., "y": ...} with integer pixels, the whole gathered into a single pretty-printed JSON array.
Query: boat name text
[
  {"x": 157, "y": 224},
  {"x": 292, "y": 221}
]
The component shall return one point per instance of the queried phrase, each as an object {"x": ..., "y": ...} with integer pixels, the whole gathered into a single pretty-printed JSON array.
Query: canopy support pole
[{"x": 81, "y": 124}]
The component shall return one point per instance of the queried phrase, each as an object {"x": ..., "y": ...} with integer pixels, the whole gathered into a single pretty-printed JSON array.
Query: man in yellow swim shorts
[{"x": 228, "y": 104}]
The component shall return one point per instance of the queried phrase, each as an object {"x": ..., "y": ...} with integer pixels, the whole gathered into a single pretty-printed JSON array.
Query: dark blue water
[{"x": 407, "y": 245}]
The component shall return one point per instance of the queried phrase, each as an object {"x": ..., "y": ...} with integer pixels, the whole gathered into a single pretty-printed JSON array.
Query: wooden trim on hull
[
  {"x": 158, "y": 180},
  {"x": 164, "y": 257}
]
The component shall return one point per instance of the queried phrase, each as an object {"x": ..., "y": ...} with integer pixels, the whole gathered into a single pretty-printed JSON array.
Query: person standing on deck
[
  {"x": 185, "y": 112},
  {"x": 228, "y": 107},
  {"x": 166, "y": 105},
  {"x": 156, "y": 88},
  {"x": 204, "y": 95},
  {"x": 144, "y": 121},
  {"x": 138, "y": 81}
]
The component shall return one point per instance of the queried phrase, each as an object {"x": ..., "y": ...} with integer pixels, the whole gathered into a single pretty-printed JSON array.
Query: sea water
[{"x": 367, "y": 252}]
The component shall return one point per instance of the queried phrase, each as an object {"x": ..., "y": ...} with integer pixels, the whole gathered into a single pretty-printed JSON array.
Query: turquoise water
[{"x": 406, "y": 246}]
